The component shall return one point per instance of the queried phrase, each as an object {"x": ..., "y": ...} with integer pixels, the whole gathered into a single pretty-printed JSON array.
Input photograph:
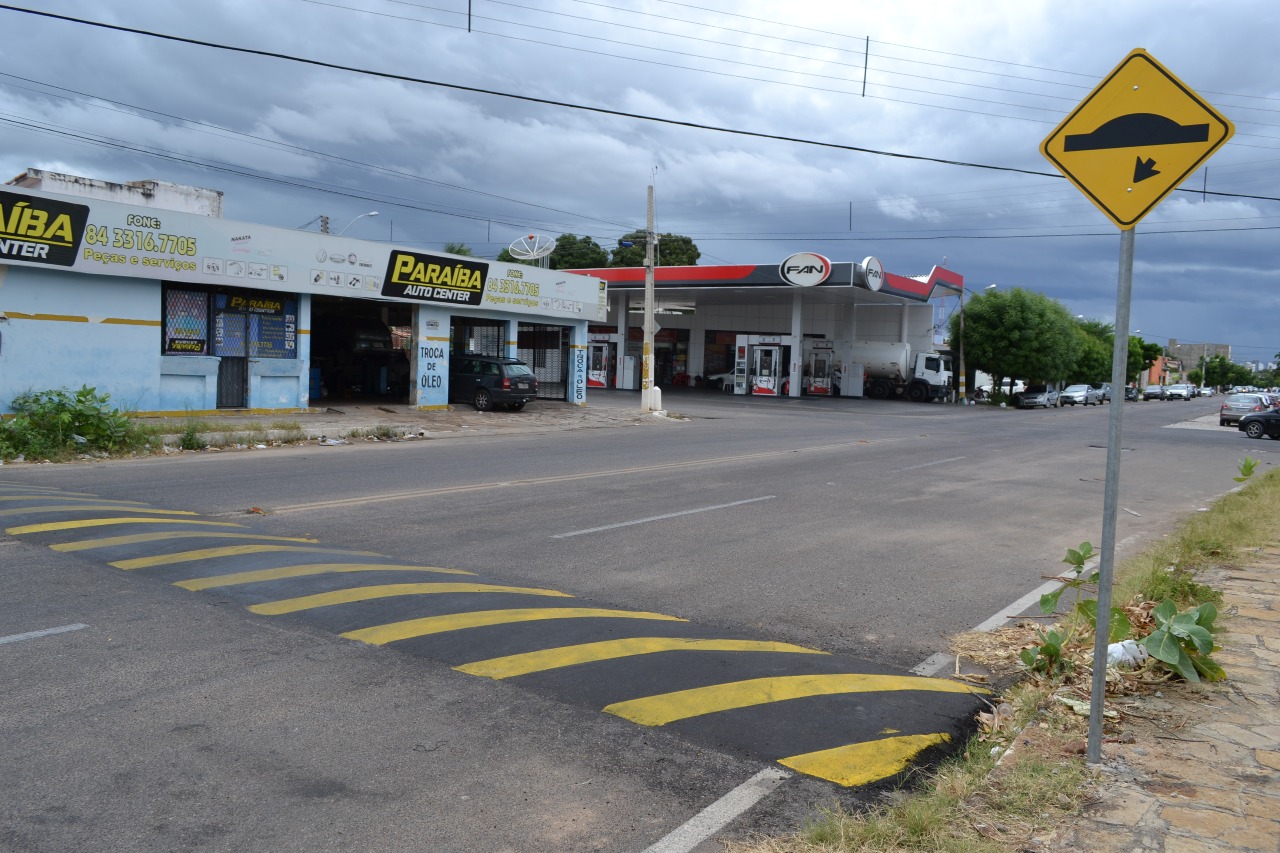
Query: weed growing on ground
[{"x": 60, "y": 424}]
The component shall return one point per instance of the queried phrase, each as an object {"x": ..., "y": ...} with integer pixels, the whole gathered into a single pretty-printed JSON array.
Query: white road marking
[
  {"x": 31, "y": 635},
  {"x": 938, "y": 462},
  {"x": 660, "y": 517},
  {"x": 717, "y": 816}
]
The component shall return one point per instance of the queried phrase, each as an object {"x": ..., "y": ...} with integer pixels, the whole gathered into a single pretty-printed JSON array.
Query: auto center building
[{"x": 144, "y": 292}]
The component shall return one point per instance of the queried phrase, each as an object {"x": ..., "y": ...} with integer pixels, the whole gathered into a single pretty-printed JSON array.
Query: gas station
[{"x": 765, "y": 330}]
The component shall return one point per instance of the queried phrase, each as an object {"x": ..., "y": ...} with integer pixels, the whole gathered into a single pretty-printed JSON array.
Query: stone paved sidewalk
[{"x": 1203, "y": 772}]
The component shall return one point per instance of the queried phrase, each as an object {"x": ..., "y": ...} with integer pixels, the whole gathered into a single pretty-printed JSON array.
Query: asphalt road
[{"x": 863, "y": 528}]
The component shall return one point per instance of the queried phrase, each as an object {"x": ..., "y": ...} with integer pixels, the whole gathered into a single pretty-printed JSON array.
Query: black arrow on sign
[{"x": 1144, "y": 169}]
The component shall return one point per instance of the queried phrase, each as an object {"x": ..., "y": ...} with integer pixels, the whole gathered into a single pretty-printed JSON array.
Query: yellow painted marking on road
[
  {"x": 284, "y": 572},
  {"x": 682, "y": 704},
  {"x": 62, "y": 497},
  {"x": 545, "y": 659},
  {"x": 104, "y": 522},
  {"x": 96, "y": 507},
  {"x": 381, "y": 634},
  {"x": 228, "y": 551},
  {"x": 137, "y": 538},
  {"x": 863, "y": 763},
  {"x": 368, "y": 593}
]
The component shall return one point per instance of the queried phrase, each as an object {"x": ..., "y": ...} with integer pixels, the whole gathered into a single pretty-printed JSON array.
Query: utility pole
[{"x": 650, "y": 395}]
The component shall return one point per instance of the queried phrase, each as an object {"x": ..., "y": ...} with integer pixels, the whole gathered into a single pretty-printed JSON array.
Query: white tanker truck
[{"x": 893, "y": 370}]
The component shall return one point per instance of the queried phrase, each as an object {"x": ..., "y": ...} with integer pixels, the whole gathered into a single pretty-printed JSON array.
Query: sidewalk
[
  {"x": 1203, "y": 772},
  {"x": 350, "y": 422}
]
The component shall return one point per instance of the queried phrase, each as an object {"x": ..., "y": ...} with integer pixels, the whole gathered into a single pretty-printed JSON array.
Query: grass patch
[{"x": 381, "y": 432}]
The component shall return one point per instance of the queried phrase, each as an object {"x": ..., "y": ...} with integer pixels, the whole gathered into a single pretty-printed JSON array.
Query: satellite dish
[{"x": 533, "y": 247}]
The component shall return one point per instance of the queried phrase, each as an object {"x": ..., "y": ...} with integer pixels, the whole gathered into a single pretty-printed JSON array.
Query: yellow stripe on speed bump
[
  {"x": 540, "y": 661},
  {"x": 104, "y": 522},
  {"x": 682, "y": 704},
  {"x": 138, "y": 538},
  {"x": 368, "y": 593},
  {"x": 863, "y": 763},
  {"x": 228, "y": 551},
  {"x": 381, "y": 634},
  {"x": 30, "y": 510},
  {"x": 261, "y": 575}
]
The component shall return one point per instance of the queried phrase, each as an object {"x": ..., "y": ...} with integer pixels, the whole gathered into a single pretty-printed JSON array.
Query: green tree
[
  {"x": 458, "y": 249},
  {"x": 578, "y": 253},
  {"x": 674, "y": 250},
  {"x": 1097, "y": 344},
  {"x": 1018, "y": 334}
]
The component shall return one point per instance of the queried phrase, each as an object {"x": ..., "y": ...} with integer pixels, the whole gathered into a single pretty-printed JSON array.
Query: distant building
[{"x": 1191, "y": 354}]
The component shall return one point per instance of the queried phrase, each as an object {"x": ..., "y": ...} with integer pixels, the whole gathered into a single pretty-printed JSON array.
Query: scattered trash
[
  {"x": 1126, "y": 654},
  {"x": 260, "y": 447},
  {"x": 255, "y": 510},
  {"x": 1082, "y": 708},
  {"x": 329, "y": 442},
  {"x": 79, "y": 439},
  {"x": 1131, "y": 512}
]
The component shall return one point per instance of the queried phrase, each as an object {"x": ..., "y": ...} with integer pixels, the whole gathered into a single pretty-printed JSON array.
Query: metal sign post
[{"x": 1138, "y": 135}]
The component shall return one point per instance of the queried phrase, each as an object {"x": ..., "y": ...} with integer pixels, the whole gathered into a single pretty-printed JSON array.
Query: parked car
[
  {"x": 1131, "y": 392},
  {"x": 1236, "y": 406},
  {"x": 1153, "y": 392},
  {"x": 1177, "y": 392},
  {"x": 1085, "y": 395},
  {"x": 1104, "y": 391},
  {"x": 486, "y": 381},
  {"x": 1036, "y": 395},
  {"x": 1206, "y": 391},
  {"x": 1259, "y": 424}
]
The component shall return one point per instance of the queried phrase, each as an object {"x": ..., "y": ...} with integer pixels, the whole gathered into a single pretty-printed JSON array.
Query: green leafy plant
[
  {"x": 1047, "y": 658},
  {"x": 56, "y": 423},
  {"x": 1247, "y": 466},
  {"x": 1183, "y": 641},
  {"x": 1118, "y": 624},
  {"x": 191, "y": 440},
  {"x": 1076, "y": 558}
]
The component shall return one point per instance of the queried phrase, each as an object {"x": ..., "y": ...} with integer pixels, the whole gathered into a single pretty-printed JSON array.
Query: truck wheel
[
  {"x": 917, "y": 393},
  {"x": 880, "y": 390}
]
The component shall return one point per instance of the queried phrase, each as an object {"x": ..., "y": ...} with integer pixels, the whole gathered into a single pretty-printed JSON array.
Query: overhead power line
[{"x": 550, "y": 102}]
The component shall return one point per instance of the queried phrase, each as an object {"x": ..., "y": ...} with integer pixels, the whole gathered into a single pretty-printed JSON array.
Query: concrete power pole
[{"x": 650, "y": 394}]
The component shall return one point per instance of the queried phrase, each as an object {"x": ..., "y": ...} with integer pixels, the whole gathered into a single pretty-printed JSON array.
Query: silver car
[
  {"x": 1236, "y": 406},
  {"x": 1085, "y": 395},
  {"x": 1035, "y": 396},
  {"x": 1178, "y": 392}
]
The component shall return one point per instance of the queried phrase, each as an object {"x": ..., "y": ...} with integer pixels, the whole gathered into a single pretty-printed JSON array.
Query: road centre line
[
  {"x": 718, "y": 815},
  {"x": 31, "y": 635},
  {"x": 561, "y": 478},
  {"x": 661, "y": 517},
  {"x": 938, "y": 462}
]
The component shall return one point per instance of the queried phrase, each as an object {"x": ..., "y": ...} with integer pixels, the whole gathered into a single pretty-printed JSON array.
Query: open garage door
[
  {"x": 546, "y": 350},
  {"x": 358, "y": 350}
]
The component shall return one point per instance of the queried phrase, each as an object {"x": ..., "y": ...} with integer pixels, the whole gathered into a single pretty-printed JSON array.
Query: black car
[
  {"x": 486, "y": 381},
  {"x": 1258, "y": 424},
  {"x": 1131, "y": 392}
]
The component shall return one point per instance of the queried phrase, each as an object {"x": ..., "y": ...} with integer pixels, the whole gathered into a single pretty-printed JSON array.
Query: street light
[{"x": 353, "y": 222}]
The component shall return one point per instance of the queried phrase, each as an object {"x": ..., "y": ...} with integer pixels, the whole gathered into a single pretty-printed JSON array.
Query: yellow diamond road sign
[{"x": 1135, "y": 138}]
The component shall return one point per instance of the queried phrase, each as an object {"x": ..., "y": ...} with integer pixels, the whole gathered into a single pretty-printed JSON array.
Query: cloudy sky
[{"x": 909, "y": 131}]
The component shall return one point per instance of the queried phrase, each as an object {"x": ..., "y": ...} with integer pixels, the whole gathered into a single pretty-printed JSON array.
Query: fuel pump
[
  {"x": 601, "y": 364},
  {"x": 817, "y": 373},
  {"x": 768, "y": 371}
]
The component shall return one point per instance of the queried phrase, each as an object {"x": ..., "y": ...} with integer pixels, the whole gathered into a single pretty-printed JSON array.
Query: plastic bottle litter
[{"x": 1126, "y": 654}]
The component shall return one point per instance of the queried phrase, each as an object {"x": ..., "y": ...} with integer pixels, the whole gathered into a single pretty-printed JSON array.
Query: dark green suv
[{"x": 486, "y": 381}]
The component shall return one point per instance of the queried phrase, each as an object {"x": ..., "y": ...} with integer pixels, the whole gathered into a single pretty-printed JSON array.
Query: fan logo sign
[
  {"x": 805, "y": 269},
  {"x": 434, "y": 278},
  {"x": 40, "y": 230}
]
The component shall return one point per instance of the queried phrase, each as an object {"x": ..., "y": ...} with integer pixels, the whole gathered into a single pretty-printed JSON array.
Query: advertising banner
[{"x": 108, "y": 238}]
